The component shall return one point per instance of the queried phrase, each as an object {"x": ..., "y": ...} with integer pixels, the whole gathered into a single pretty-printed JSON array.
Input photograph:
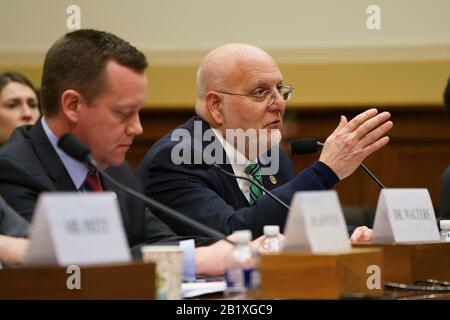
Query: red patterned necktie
[{"x": 92, "y": 181}]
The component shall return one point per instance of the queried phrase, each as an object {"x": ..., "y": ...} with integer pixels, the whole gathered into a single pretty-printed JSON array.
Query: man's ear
[
  {"x": 214, "y": 103},
  {"x": 71, "y": 101}
]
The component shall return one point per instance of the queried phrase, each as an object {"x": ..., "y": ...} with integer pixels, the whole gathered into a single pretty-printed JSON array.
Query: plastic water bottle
[
  {"x": 445, "y": 230},
  {"x": 242, "y": 271},
  {"x": 271, "y": 243}
]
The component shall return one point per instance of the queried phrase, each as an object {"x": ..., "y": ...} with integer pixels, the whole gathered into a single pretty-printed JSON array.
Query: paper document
[{"x": 194, "y": 289}]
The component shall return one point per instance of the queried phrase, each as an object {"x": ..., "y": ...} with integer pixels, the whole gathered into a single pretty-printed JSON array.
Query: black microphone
[
  {"x": 79, "y": 151},
  {"x": 305, "y": 146},
  {"x": 308, "y": 145},
  {"x": 209, "y": 162},
  {"x": 76, "y": 149}
]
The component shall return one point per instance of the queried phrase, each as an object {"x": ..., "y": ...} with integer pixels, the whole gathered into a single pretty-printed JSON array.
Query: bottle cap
[
  {"x": 271, "y": 231},
  {"x": 242, "y": 236},
  {"x": 444, "y": 224}
]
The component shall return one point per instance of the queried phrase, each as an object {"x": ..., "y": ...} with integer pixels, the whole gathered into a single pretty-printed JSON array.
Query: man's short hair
[{"x": 78, "y": 61}]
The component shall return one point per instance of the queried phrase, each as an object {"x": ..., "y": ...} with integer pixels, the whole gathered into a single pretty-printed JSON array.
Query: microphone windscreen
[
  {"x": 74, "y": 147},
  {"x": 305, "y": 146}
]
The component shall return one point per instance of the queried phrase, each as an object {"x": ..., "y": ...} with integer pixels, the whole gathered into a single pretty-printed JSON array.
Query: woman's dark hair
[
  {"x": 11, "y": 76},
  {"x": 8, "y": 77}
]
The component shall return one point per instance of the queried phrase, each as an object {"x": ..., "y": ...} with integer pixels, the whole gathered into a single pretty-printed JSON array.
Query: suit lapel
[
  {"x": 50, "y": 159},
  {"x": 271, "y": 181},
  {"x": 234, "y": 185},
  {"x": 237, "y": 193}
]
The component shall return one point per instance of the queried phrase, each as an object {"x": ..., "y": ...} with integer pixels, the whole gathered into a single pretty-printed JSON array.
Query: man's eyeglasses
[{"x": 268, "y": 95}]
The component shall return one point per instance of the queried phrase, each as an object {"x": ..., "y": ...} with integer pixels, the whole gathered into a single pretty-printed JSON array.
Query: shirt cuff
[{"x": 188, "y": 247}]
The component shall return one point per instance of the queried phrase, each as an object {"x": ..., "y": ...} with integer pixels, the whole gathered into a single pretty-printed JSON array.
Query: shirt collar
[
  {"x": 77, "y": 170},
  {"x": 238, "y": 161}
]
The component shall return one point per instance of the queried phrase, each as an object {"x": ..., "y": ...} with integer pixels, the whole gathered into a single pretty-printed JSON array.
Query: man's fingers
[
  {"x": 371, "y": 124},
  {"x": 360, "y": 119},
  {"x": 356, "y": 234},
  {"x": 341, "y": 124},
  {"x": 376, "y": 134},
  {"x": 367, "y": 235},
  {"x": 354, "y": 140},
  {"x": 371, "y": 148},
  {"x": 361, "y": 234}
]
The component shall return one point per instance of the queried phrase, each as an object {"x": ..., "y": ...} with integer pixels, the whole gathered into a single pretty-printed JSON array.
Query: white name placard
[
  {"x": 405, "y": 215},
  {"x": 77, "y": 228},
  {"x": 316, "y": 223}
]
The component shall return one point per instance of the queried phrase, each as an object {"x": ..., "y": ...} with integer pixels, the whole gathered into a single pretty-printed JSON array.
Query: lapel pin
[{"x": 273, "y": 179}]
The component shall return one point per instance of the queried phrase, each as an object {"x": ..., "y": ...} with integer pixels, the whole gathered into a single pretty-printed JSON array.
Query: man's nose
[
  {"x": 278, "y": 104},
  {"x": 135, "y": 127},
  {"x": 27, "y": 113}
]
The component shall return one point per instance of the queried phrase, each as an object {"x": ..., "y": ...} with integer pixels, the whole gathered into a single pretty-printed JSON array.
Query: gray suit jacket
[{"x": 11, "y": 224}]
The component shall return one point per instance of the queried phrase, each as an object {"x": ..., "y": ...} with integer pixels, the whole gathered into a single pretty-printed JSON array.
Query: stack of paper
[{"x": 194, "y": 289}]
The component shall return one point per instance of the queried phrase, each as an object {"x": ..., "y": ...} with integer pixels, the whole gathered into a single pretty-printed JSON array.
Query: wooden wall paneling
[{"x": 420, "y": 165}]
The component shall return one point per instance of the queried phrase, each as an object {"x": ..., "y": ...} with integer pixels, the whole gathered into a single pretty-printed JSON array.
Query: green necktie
[{"x": 254, "y": 171}]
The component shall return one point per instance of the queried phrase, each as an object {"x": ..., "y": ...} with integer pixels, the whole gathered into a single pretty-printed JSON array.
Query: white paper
[
  {"x": 316, "y": 223},
  {"x": 77, "y": 228},
  {"x": 405, "y": 215},
  {"x": 194, "y": 289}
]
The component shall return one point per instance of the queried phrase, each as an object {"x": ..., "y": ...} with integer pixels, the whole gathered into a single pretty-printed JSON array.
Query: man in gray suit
[{"x": 13, "y": 229}]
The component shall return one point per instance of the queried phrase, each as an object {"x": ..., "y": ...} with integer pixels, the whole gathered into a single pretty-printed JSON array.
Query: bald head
[{"x": 224, "y": 66}]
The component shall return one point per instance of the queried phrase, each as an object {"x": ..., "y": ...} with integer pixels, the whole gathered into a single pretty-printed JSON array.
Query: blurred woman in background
[{"x": 18, "y": 103}]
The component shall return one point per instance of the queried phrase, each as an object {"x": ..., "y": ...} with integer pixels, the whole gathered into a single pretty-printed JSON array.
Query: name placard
[
  {"x": 316, "y": 223},
  {"x": 405, "y": 215},
  {"x": 77, "y": 228}
]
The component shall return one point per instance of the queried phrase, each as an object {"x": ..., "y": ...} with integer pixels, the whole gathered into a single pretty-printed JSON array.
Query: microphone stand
[
  {"x": 159, "y": 206},
  {"x": 372, "y": 176},
  {"x": 256, "y": 183}
]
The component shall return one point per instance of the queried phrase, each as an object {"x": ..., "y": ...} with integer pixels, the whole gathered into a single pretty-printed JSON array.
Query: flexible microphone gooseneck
[
  {"x": 209, "y": 162},
  {"x": 308, "y": 145},
  {"x": 255, "y": 182},
  {"x": 79, "y": 151}
]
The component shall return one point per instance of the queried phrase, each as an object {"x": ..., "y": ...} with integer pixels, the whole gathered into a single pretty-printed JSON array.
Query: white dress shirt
[
  {"x": 238, "y": 162},
  {"x": 77, "y": 170}
]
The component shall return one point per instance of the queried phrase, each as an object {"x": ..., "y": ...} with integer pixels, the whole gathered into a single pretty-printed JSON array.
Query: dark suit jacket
[
  {"x": 29, "y": 165},
  {"x": 211, "y": 197},
  {"x": 11, "y": 224},
  {"x": 444, "y": 208}
]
